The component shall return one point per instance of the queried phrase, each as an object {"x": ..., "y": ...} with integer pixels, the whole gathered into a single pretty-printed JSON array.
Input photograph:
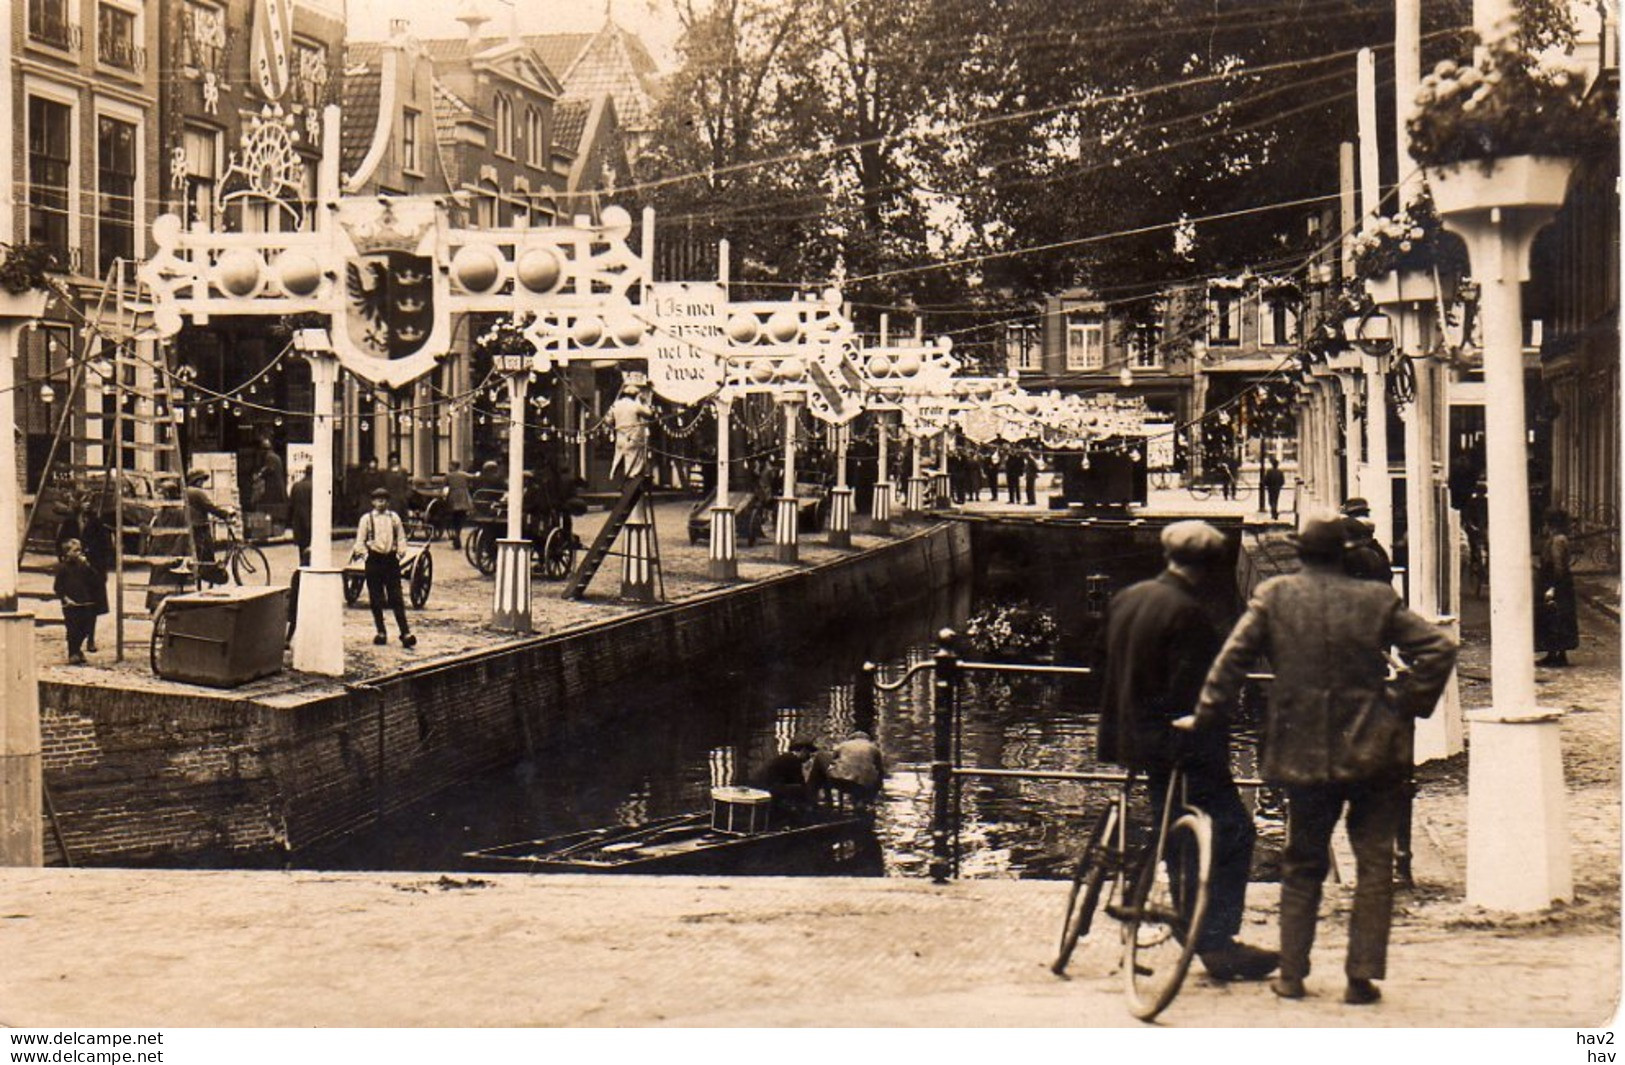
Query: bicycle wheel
[
  {"x": 1165, "y": 912},
  {"x": 422, "y": 579},
  {"x": 1199, "y": 491},
  {"x": 160, "y": 630},
  {"x": 1087, "y": 881},
  {"x": 558, "y": 555},
  {"x": 250, "y": 566},
  {"x": 482, "y": 550}
]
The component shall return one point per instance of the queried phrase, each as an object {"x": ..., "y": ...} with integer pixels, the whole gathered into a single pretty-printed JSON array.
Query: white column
[
  {"x": 318, "y": 639},
  {"x": 840, "y": 497},
  {"x": 914, "y": 497},
  {"x": 786, "y": 543},
  {"x": 21, "y": 839},
  {"x": 723, "y": 559},
  {"x": 880, "y": 505},
  {"x": 510, "y": 598},
  {"x": 1517, "y": 831}
]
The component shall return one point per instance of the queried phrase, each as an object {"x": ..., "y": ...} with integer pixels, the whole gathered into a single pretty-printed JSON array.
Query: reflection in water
[{"x": 656, "y": 746}]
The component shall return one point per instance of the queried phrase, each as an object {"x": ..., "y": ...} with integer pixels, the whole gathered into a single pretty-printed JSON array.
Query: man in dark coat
[
  {"x": 1363, "y": 557},
  {"x": 1159, "y": 645},
  {"x": 301, "y": 503},
  {"x": 792, "y": 778},
  {"x": 1015, "y": 464},
  {"x": 1274, "y": 481},
  {"x": 1338, "y": 730}
]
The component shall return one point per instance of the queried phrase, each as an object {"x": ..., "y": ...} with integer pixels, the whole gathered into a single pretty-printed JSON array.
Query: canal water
[{"x": 673, "y": 738}]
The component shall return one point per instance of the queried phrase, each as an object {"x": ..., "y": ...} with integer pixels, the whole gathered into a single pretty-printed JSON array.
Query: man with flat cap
[
  {"x": 1363, "y": 556},
  {"x": 1159, "y": 644},
  {"x": 1337, "y": 732}
]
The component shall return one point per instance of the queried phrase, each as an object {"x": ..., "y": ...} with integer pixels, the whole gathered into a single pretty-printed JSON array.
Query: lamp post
[{"x": 510, "y": 597}]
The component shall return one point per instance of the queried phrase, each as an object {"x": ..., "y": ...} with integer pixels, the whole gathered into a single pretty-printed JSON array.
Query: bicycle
[
  {"x": 235, "y": 558},
  {"x": 1156, "y": 888}
]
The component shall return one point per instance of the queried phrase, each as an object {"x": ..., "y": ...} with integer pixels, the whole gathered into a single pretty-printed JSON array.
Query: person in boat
[
  {"x": 856, "y": 768},
  {"x": 793, "y": 778}
]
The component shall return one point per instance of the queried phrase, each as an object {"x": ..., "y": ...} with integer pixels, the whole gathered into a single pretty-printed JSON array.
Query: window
[
  {"x": 535, "y": 139},
  {"x": 48, "y": 23},
  {"x": 50, "y": 165},
  {"x": 115, "y": 191},
  {"x": 307, "y": 194},
  {"x": 116, "y": 39},
  {"x": 1085, "y": 345},
  {"x": 1145, "y": 345},
  {"x": 503, "y": 117},
  {"x": 1223, "y": 316},
  {"x": 202, "y": 175},
  {"x": 1278, "y": 318},
  {"x": 1023, "y": 347},
  {"x": 411, "y": 154},
  {"x": 203, "y": 37},
  {"x": 309, "y": 74}
]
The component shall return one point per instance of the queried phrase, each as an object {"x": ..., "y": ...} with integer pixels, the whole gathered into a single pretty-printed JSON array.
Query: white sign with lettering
[{"x": 684, "y": 366}]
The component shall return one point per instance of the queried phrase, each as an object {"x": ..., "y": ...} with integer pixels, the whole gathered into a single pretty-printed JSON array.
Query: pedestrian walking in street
[
  {"x": 1557, "y": 623},
  {"x": 1159, "y": 644},
  {"x": 301, "y": 503},
  {"x": 459, "y": 500},
  {"x": 1338, "y": 733},
  {"x": 1031, "y": 473},
  {"x": 398, "y": 482},
  {"x": 79, "y": 587},
  {"x": 200, "y": 511},
  {"x": 990, "y": 467},
  {"x": 1363, "y": 557},
  {"x": 96, "y": 542},
  {"x": 1015, "y": 464},
  {"x": 1225, "y": 470},
  {"x": 1274, "y": 481},
  {"x": 381, "y": 537}
]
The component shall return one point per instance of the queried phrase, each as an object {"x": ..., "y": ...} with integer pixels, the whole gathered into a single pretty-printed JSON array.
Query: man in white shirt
[
  {"x": 381, "y": 537},
  {"x": 630, "y": 416}
]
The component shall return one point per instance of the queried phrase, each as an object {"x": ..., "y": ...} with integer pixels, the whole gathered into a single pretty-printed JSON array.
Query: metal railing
[{"x": 947, "y": 668}]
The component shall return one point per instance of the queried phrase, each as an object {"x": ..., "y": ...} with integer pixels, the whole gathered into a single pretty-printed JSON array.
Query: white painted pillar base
[
  {"x": 22, "y": 838},
  {"x": 724, "y": 556},
  {"x": 318, "y": 639},
  {"x": 914, "y": 501},
  {"x": 786, "y": 545},
  {"x": 840, "y": 517},
  {"x": 1442, "y": 734},
  {"x": 1517, "y": 842},
  {"x": 637, "y": 566},
  {"x": 880, "y": 509},
  {"x": 510, "y": 598}
]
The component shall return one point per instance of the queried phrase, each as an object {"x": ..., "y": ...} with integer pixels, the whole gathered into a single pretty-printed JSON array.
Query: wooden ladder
[{"x": 633, "y": 492}]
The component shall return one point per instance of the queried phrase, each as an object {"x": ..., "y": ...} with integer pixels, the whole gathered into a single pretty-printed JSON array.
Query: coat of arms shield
[{"x": 394, "y": 325}]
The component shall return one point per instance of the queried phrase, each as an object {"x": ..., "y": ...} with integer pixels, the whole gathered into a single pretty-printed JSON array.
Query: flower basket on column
[
  {"x": 29, "y": 304},
  {"x": 1406, "y": 286},
  {"x": 1509, "y": 182}
]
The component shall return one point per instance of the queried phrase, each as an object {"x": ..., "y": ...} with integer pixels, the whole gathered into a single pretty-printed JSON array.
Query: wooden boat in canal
[{"x": 720, "y": 842}]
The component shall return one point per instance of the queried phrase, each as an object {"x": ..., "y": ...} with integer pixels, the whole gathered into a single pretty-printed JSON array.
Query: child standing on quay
[{"x": 78, "y": 585}]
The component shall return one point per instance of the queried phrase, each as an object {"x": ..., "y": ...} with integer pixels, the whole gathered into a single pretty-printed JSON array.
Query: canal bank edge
[{"x": 212, "y": 777}]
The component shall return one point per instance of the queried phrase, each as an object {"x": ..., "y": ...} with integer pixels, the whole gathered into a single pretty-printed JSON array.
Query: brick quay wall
[{"x": 187, "y": 776}]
